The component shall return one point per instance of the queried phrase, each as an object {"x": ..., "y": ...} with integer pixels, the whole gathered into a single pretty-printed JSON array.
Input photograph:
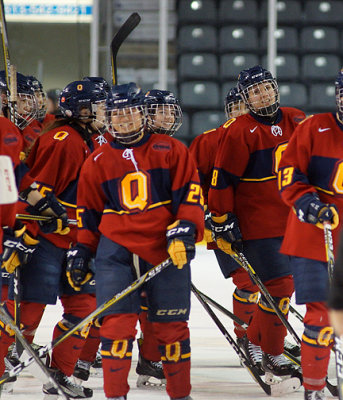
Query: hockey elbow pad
[{"x": 181, "y": 242}]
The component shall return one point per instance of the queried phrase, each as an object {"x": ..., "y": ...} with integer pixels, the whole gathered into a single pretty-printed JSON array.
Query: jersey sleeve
[
  {"x": 91, "y": 201},
  {"x": 292, "y": 174},
  {"x": 230, "y": 163},
  {"x": 187, "y": 197}
]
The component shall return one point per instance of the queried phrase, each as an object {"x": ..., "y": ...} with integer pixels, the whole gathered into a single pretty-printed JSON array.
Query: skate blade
[
  {"x": 285, "y": 387},
  {"x": 146, "y": 381}
]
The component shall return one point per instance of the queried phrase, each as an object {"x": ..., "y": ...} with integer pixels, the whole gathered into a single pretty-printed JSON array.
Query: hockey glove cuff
[
  {"x": 59, "y": 220},
  {"x": 227, "y": 233},
  {"x": 18, "y": 247},
  {"x": 310, "y": 209},
  {"x": 208, "y": 236},
  {"x": 79, "y": 261},
  {"x": 181, "y": 242}
]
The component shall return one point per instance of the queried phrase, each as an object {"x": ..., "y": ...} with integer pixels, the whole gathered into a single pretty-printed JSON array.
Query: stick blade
[{"x": 8, "y": 187}]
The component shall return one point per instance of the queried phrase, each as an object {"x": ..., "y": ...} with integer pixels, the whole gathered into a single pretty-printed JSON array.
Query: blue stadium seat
[
  {"x": 232, "y": 64},
  {"x": 199, "y": 11},
  {"x": 293, "y": 95},
  {"x": 322, "y": 96},
  {"x": 320, "y": 66},
  {"x": 199, "y": 94},
  {"x": 288, "y": 11},
  {"x": 238, "y": 38},
  {"x": 319, "y": 39},
  {"x": 205, "y": 120},
  {"x": 244, "y": 11},
  {"x": 197, "y": 38},
  {"x": 323, "y": 12},
  {"x": 286, "y": 38},
  {"x": 287, "y": 66},
  {"x": 198, "y": 66}
]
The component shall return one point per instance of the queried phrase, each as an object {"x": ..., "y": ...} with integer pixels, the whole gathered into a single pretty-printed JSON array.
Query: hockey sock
[
  {"x": 117, "y": 334},
  {"x": 266, "y": 328},
  {"x": 76, "y": 307},
  {"x": 92, "y": 343},
  {"x": 174, "y": 345},
  {"x": 149, "y": 345},
  {"x": 316, "y": 343}
]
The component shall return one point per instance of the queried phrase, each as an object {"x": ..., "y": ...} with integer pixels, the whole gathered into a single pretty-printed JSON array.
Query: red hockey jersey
[
  {"x": 313, "y": 162},
  {"x": 131, "y": 195},
  {"x": 244, "y": 177}
]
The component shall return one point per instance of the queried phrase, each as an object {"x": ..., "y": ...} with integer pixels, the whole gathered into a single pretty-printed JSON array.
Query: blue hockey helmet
[
  {"x": 80, "y": 100},
  {"x": 42, "y": 103},
  {"x": 164, "y": 112},
  {"x": 234, "y": 106},
  {"x": 339, "y": 93},
  {"x": 126, "y": 113},
  {"x": 259, "y": 91},
  {"x": 99, "y": 81}
]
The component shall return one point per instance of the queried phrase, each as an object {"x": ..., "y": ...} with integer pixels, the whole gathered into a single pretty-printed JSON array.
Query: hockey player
[
  {"x": 335, "y": 295},
  {"x": 244, "y": 197},
  {"x": 204, "y": 149},
  {"x": 310, "y": 183},
  {"x": 139, "y": 199},
  {"x": 55, "y": 162}
]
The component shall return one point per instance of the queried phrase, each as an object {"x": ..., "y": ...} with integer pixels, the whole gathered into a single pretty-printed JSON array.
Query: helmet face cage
[
  {"x": 26, "y": 109},
  {"x": 234, "y": 109},
  {"x": 126, "y": 124},
  {"x": 99, "y": 116},
  {"x": 339, "y": 94},
  {"x": 164, "y": 118},
  {"x": 262, "y": 98}
]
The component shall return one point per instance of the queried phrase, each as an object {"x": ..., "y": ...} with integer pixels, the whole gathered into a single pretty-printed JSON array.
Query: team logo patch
[
  {"x": 276, "y": 130},
  {"x": 10, "y": 139},
  {"x": 161, "y": 146}
]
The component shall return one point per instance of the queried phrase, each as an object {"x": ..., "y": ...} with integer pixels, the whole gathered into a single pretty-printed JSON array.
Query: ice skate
[
  {"x": 293, "y": 349},
  {"x": 314, "y": 395},
  {"x": 7, "y": 387},
  {"x": 81, "y": 371},
  {"x": 150, "y": 373},
  {"x": 98, "y": 360},
  {"x": 70, "y": 388},
  {"x": 278, "y": 365},
  {"x": 252, "y": 352}
]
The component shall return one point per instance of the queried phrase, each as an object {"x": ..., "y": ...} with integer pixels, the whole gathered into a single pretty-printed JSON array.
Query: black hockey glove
[
  {"x": 79, "y": 262},
  {"x": 181, "y": 242},
  {"x": 227, "y": 233},
  {"x": 58, "y": 222},
  {"x": 18, "y": 247},
  {"x": 208, "y": 236},
  {"x": 310, "y": 209}
]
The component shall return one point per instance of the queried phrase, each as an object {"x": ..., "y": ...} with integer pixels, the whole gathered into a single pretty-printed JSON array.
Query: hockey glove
[
  {"x": 58, "y": 222},
  {"x": 208, "y": 236},
  {"x": 79, "y": 266},
  {"x": 181, "y": 242},
  {"x": 227, "y": 233},
  {"x": 18, "y": 247},
  {"x": 310, "y": 209}
]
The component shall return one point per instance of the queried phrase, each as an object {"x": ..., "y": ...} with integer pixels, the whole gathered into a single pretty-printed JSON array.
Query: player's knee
[
  {"x": 281, "y": 287},
  {"x": 245, "y": 297}
]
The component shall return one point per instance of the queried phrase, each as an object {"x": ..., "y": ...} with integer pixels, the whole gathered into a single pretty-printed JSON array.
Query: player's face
[
  {"x": 100, "y": 115},
  {"x": 164, "y": 117},
  {"x": 236, "y": 109},
  {"x": 26, "y": 105},
  {"x": 261, "y": 95},
  {"x": 127, "y": 120}
]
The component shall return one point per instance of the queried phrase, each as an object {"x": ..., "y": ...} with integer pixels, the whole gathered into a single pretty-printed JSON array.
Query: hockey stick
[
  {"x": 27, "y": 217},
  {"x": 124, "y": 31},
  {"x": 9, "y": 192},
  {"x": 338, "y": 346},
  {"x": 9, "y": 322},
  {"x": 236, "y": 319},
  {"x": 278, "y": 389},
  {"x": 41, "y": 352}
]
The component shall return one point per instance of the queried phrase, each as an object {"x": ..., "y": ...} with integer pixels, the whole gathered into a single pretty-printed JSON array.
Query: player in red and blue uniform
[
  {"x": 204, "y": 149},
  {"x": 55, "y": 162},
  {"x": 247, "y": 211},
  {"x": 139, "y": 200},
  {"x": 310, "y": 182}
]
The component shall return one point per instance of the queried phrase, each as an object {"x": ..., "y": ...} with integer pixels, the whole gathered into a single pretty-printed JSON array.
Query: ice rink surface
[{"x": 216, "y": 371}]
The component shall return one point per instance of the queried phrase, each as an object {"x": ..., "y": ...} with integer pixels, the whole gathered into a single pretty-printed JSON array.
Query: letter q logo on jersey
[{"x": 276, "y": 130}]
